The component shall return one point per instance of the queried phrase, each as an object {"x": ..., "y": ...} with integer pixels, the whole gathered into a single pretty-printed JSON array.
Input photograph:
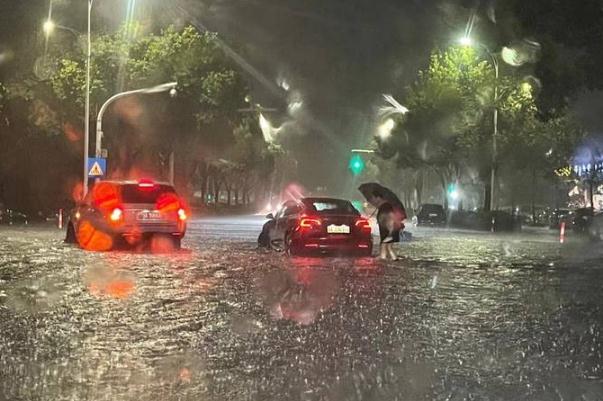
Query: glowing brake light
[
  {"x": 363, "y": 225},
  {"x": 309, "y": 223},
  {"x": 182, "y": 214},
  {"x": 146, "y": 184},
  {"x": 116, "y": 215}
]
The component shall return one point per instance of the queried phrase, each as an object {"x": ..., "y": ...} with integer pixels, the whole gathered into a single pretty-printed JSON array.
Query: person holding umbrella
[{"x": 390, "y": 215}]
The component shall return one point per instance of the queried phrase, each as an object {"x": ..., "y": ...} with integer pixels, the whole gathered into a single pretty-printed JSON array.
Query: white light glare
[{"x": 384, "y": 131}]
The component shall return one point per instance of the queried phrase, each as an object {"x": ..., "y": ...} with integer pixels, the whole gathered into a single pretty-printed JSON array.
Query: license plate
[
  {"x": 433, "y": 215},
  {"x": 342, "y": 229},
  {"x": 149, "y": 215}
]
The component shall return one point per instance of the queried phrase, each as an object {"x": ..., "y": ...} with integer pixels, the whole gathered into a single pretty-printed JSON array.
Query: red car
[
  {"x": 322, "y": 225},
  {"x": 127, "y": 211}
]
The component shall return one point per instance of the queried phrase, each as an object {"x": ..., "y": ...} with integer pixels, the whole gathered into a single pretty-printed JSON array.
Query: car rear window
[
  {"x": 132, "y": 193},
  {"x": 331, "y": 206}
]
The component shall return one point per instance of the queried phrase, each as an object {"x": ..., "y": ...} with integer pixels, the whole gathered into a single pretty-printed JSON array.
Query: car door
[
  {"x": 284, "y": 220},
  {"x": 291, "y": 218},
  {"x": 274, "y": 232}
]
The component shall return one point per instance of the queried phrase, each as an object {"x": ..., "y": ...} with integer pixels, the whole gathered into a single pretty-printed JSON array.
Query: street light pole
[
  {"x": 87, "y": 107},
  {"x": 170, "y": 86},
  {"x": 494, "y": 134},
  {"x": 467, "y": 41}
]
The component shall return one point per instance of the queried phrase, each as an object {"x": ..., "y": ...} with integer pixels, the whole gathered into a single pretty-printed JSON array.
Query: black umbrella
[{"x": 370, "y": 188}]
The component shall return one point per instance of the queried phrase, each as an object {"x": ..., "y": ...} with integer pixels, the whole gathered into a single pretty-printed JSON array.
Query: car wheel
[
  {"x": 70, "y": 235},
  {"x": 177, "y": 243},
  {"x": 290, "y": 250}
]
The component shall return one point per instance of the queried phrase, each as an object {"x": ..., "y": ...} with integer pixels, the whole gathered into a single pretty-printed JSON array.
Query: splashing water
[{"x": 393, "y": 107}]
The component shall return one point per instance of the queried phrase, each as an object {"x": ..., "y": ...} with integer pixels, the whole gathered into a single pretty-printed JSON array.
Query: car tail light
[
  {"x": 182, "y": 214},
  {"x": 169, "y": 202},
  {"x": 116, "y": 215},
  {"x": 146, "y": 184},
  {"x": 363, "y": 225},
  {"x": 309, "y": 223}
]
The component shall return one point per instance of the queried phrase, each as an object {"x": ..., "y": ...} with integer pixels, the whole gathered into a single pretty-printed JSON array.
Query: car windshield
[
  {"x": 331, "y": 206},
  {"x": 133, "y": 193}
]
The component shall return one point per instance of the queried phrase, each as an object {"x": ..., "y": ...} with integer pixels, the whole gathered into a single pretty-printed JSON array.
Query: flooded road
[{"x": 462, "y": 316}]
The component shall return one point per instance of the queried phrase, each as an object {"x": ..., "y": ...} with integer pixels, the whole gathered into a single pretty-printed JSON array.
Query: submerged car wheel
[{"x": 290, "y": 248}]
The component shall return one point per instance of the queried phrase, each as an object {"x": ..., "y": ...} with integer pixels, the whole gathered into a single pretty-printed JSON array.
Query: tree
[
  {"x": 449, "y": 127},
  {"x": 210, "y": 90}
]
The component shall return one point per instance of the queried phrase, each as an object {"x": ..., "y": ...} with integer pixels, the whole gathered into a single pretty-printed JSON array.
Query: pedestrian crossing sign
[{"x": 97, "y": 167}]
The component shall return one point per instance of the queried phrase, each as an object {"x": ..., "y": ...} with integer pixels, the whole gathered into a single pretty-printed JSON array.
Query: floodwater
[{"x": 462, "y": 316}]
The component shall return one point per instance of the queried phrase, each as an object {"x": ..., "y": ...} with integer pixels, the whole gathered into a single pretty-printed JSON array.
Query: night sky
[{"x": 338, "y": 57}]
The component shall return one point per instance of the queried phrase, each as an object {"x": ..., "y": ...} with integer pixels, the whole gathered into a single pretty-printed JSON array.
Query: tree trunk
[
  {"x": 487, "y": 194},
  {"x": 442, "y": 177},
  {"x": 217, "y": 186},
  {"x": 533, "y": 196},
  {"x": 419, "y": 187},
  {"x": 591, "y": 196},
  {"x": 204, "y": 189}
]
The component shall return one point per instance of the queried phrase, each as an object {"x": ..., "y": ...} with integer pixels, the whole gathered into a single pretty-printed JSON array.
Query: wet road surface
[{"x": 462, "y": 316}]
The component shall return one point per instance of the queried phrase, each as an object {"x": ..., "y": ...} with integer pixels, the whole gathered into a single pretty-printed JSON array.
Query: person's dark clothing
[{"x": 389, "y": 224}]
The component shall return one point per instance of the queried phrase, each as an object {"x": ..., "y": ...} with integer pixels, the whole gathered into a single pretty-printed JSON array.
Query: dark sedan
[
  {"x": 321, "y": 225},
  {"x": 430, "y": 215}
]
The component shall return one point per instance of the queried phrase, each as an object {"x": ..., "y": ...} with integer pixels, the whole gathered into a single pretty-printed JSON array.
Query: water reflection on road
[{"x": 462, "y": 316}]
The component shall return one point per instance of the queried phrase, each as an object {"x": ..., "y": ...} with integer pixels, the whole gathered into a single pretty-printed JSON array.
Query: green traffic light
[{"x": 356, "y": 164}]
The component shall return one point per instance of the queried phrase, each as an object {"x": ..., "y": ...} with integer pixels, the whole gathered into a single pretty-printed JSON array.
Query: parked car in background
[
  {"x": 595, "y": 228},
  {"x": 582, "y": 219},
  {"x": 430, "y": 214},
  {"x": 497, "y": 220},
  {"x": 559, "y": 216},
  {"x": 12, "y": 217}
]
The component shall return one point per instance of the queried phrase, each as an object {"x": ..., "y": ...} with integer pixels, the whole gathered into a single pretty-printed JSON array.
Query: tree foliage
[{"x": 449, "y": 128}]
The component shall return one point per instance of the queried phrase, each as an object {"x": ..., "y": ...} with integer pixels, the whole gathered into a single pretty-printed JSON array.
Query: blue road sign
[{"x": 97, "y": 167}]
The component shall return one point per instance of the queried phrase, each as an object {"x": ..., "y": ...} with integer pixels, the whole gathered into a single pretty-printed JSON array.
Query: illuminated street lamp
[
  {"x": 466, "y": 41},
  {"x": 48, "y": 27}
]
